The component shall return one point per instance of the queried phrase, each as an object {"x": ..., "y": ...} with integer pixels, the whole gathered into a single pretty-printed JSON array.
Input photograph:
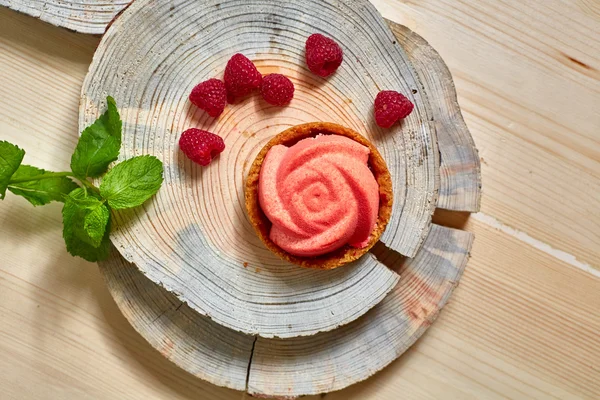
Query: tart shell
[{"x": 346, "y": 253}]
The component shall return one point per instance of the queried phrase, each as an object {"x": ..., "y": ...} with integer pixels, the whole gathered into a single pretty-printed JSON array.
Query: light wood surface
[{"x": 523, "y": 323}]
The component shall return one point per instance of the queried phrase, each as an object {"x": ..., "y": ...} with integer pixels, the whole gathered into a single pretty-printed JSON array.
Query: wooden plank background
[{"x": 524, "y": 321}]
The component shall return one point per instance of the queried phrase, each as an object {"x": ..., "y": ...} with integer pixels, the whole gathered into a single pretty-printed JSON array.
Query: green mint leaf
[
  {"x": 132, "y": 182},
  {"x": 99, "y": 144},
  {"x": 91, "y": 218},
  {"x": 10, "y": 159},
  {"x": 94, "y": 224},
  {"x": 86, "y": 226},
  {"x": 40, "y": 191}
]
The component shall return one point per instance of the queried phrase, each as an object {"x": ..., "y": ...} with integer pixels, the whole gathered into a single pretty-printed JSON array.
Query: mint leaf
[
  {"x": 99, "y": 144},
  {"x": 10, "y": 159},
  {"x": 90, "y": 218},
  {"x": 86, "y": 226},
  {"x": 43, "y": 190},
  {"x": 132, "y": 182},
  {"x": 94, "y": 224}
]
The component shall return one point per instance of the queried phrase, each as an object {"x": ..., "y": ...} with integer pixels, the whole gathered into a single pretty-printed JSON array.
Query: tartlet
[{"x": 346, "y": 253}]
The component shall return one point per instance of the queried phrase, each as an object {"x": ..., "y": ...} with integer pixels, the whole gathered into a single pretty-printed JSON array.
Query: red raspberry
[
  {"x": 210, "y": 96},
  {"x": 277, "y": 89},
  {"x": 200, "y": 146},
  {"x": 390, "y": 106},
  {"x": 323, "y": 55},
  {"x": 241, "y": 77}
]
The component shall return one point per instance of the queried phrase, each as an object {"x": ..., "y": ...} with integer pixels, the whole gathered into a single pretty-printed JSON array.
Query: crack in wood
[
  {"x": 250, "y": 362},
  {"x": 388, "y": 256},
  {"x": 451, "y": 219}
]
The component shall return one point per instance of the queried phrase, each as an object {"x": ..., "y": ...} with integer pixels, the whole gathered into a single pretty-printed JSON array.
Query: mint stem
[
  {"x": 50, "y": 175},
  {"x": 47, "y": 175},
  {"x": 90, "y": 185}
]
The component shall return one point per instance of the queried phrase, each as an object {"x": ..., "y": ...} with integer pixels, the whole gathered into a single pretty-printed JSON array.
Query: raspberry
[
  {"x": 210, "y": 96},
  {"x": 390, "y": 106},
  {"x": 241, "y": 77},
  {"x": 277, "y": 89},
  {"x": 323, "y": 55},
  {"x": 200, "y": 146}
]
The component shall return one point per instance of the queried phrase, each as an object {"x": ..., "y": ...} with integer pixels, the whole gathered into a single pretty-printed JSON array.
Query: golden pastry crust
[{"x": 346, "y": 253}]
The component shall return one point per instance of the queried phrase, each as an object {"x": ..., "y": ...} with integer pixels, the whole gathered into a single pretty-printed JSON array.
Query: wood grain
[
  {"x": 177, "y": 239},
  {"x": 520, "y": 324}
]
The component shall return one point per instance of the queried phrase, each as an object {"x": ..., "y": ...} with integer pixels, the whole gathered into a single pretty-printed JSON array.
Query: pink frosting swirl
[{"x": 319, "y": 195}]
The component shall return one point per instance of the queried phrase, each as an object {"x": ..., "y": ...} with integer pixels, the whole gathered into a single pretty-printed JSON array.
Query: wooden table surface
[{"x": 524, "y": 323}]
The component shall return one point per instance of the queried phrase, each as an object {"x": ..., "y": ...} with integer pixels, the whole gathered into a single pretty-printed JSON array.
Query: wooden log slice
[
  {"x": 297, "y": 366},
  {"x": 85, "y": 16},
  {"x": 194, "y": 237}
]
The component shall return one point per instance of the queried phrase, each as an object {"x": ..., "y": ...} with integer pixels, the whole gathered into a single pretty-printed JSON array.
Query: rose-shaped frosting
[{"x": 319, "y": 195}]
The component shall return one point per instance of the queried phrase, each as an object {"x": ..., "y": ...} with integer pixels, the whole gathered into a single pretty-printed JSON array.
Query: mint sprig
[{"x": 87, "y": 209}]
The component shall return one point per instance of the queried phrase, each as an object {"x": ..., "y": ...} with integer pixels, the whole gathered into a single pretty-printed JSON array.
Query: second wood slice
[{"x": 293, "y": 367}]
